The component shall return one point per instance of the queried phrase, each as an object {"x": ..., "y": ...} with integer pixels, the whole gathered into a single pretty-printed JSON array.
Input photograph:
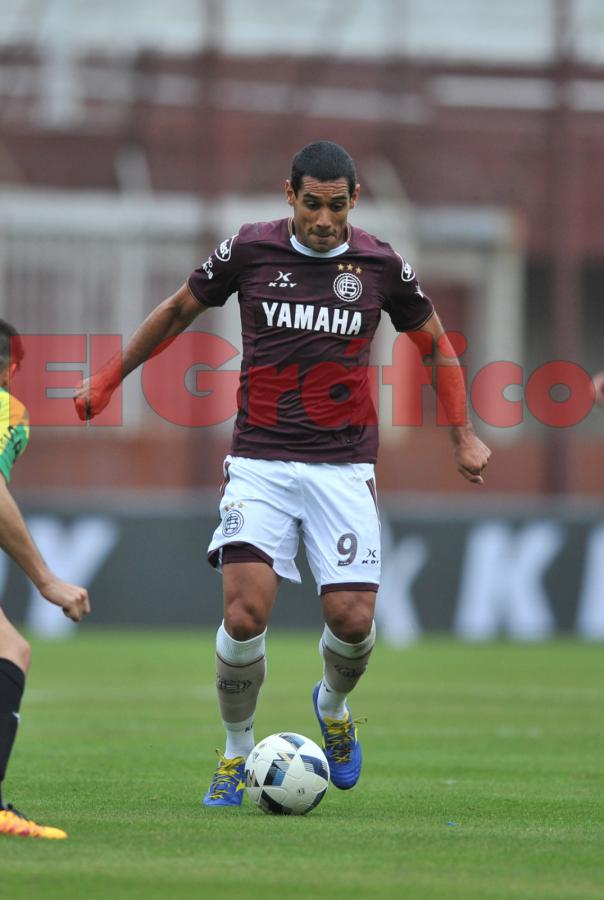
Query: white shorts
[{"x": 267, "y": 504}]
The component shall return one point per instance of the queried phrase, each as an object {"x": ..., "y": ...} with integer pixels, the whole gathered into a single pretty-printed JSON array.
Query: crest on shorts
[
  {"x": 232, "y": 523},
  {"x": 348, "y": 287}
]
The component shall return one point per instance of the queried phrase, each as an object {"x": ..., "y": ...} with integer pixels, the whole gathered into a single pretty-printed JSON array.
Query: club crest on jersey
[
  {"x": 348, "y": 287},
  {"x": 282, "y": 280},
  {"x": 223, "y": 252}
]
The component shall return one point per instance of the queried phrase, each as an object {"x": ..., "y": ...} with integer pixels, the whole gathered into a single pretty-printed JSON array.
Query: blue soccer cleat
[
  {"x": 228, "y": 783},
  {"x": 341, "y": 745}
]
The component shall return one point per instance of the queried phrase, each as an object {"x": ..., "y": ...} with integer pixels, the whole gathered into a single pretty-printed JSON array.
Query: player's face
[
  {"x": 6, "y": 374},
  {"x": 321, "y": 211}
]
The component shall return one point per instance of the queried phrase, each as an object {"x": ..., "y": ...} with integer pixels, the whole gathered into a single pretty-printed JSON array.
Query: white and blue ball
[{"x": 287, "y": 774}]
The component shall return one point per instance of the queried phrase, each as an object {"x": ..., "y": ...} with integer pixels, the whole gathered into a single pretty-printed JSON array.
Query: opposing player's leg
[
  {"x": 15, "y": 657},
  {"x": 250, "y": 588},
  {"x": 346, "y": 644}
]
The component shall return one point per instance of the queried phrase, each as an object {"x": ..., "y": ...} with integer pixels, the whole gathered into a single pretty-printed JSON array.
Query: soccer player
[
  {"x": 15, "y": 654},
  {"x": 311, "y": 292}
]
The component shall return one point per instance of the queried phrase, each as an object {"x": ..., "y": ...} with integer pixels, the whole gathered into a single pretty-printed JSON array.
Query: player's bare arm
[
  {"x": 598, "y": 381},
  {"x": 470, "y": 453},
  {"x": 165, "y": 322},
  {"x": 16, "y": 540}
]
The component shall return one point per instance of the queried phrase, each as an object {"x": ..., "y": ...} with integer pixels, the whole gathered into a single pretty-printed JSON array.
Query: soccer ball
[{"x": 286, "y": 774}]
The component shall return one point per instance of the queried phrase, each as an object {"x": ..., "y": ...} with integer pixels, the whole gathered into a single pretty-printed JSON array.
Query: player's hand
[
  {"x": 91, "y": 397},
  {"x": 72, "y": 598},
  {"x": 598, "y": 381},
  {"x": 471, "y": 455}
]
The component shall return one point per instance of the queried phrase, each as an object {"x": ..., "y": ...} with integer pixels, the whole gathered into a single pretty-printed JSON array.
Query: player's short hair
[
  {"x": 324, "y": 161},
  {"x": 11, "y": 345}
]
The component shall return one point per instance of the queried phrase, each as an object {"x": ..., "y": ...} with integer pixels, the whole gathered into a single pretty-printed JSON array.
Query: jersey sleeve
[
  {"x": 214, "y": 281},
  {"x": 404, "y": 300},
  {"x": 14, "y": 433}
]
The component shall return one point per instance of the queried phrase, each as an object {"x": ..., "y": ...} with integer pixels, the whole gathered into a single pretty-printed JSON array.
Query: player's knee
[
  {"x": 354, "y": 634},
  {"x": 243, "y": 621},
  {"x": 349, "y": 615},
  {"x": 352, "y": 625}
]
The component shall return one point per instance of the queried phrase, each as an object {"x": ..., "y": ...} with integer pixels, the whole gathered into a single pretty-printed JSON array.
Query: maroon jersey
[{"x": 307, "y": 321}]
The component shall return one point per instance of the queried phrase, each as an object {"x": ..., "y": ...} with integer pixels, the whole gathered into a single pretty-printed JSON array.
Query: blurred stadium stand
[
  {"x": 132, "y": 140},
  {"x": 134, "y": 137}
]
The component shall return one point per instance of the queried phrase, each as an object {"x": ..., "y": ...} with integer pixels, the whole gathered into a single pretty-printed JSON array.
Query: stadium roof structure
[{"x": 520, "y": 31}]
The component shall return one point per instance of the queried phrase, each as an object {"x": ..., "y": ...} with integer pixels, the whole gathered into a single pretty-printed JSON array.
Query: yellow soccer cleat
[
  {"x": 228, "y": 784},
  {"x": 14, "y": 822}
]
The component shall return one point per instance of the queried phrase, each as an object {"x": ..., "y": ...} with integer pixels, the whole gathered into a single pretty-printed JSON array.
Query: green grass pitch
[{"x": 483, "y": 775}]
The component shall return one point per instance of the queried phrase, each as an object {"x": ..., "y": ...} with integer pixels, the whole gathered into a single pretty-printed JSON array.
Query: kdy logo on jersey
[
  {"x": 348, "y": 287},
  {"x": 282, "y": 280}
]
